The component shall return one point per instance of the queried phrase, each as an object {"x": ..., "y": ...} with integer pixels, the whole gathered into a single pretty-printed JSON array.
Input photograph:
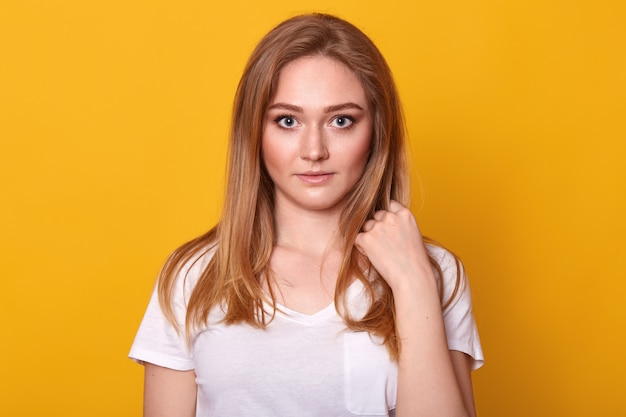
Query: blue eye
[
  {"x": 286, "y": 122},
  {"x": 342, "y": 121}
]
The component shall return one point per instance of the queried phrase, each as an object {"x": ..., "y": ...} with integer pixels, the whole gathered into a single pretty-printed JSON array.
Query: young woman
[{"x": 315, "y": 294}]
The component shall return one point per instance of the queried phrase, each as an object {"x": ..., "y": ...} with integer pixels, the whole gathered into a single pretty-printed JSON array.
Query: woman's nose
[{"x": 314, "y": 145}]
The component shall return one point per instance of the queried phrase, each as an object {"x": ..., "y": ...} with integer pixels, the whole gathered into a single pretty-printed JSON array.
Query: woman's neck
[{"x": 307, "y": 231}]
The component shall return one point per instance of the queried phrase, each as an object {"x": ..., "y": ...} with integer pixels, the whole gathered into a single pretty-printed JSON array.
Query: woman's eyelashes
[
  {"x": 286, "y": 121},
  {"x": 342, "y": 122}
]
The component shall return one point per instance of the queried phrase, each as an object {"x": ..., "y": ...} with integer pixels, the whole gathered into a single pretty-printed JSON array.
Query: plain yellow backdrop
[{"x": 113, "y": 126}]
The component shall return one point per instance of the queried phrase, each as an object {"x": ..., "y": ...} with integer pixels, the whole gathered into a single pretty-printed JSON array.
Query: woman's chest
[{"x": 293, "y": 365}]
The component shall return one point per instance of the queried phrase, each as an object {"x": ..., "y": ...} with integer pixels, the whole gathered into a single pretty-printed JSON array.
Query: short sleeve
[
  {"x": 157, "y": 341},
  {"x": 461, "y": 329}
]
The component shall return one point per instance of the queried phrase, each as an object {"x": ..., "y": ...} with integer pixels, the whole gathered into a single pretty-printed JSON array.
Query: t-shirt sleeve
[
  {"x": 157, "y": 341},
  {"x": 461, "y": 330}
]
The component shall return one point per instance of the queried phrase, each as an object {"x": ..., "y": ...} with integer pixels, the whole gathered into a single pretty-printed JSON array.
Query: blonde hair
[{"x": 243, "y": 239}]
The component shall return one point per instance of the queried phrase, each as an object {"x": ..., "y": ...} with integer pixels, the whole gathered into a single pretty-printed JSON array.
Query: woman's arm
[
  {"x": 432, "y": 380},
  {"x": 168, "y": 392},
  {"x": 463, "y": 368}
]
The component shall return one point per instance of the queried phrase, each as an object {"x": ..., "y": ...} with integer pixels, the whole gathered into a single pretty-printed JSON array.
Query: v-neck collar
[
  {"x": 309, "y": 319},
  {"x": 353, "y": 292}
]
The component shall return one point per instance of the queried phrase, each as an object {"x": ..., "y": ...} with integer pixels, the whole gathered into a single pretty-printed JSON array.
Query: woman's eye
[
  {"x": 342, "y": 121},
  {"x": 286, "y": 122}
]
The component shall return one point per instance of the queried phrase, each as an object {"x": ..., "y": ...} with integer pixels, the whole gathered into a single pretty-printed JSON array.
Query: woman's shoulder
[
  {"x": 198, "y": 261},
  {"x": 189, "y": 268},
  {"x": 444, "y": 258},
  {"x": 452, "y": 273}
]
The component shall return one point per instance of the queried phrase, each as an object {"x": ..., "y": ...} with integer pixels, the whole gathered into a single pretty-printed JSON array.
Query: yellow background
[{"x": 113, "y": 120}]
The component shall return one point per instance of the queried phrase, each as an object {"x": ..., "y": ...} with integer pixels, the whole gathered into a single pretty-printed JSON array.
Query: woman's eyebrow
[
  {"x": 286, "y": 106},
  {"x": 344, "y": 106},
  {"x": 329, "y": 109}
]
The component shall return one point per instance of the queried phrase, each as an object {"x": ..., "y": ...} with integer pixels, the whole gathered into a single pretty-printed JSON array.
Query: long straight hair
[{"x": 243, "y": 239}]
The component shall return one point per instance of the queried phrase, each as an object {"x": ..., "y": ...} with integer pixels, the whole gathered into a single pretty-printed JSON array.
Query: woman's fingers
[
  {"x": 368, "y": 225},
  {"x": 392, "y": 242},
  {"x": 395, "y": 207},
  {"x": 380, "y": 215}
]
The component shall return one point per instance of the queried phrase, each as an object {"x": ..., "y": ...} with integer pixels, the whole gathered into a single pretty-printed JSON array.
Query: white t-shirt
[{"x": 300, "y": 365}]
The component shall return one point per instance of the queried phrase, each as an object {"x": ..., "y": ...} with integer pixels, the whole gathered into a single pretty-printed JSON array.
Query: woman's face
[{"x": 317, "y": 134}]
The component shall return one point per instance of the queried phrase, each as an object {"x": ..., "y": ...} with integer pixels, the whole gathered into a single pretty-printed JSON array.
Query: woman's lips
[{"x": 315, "y": 178}]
